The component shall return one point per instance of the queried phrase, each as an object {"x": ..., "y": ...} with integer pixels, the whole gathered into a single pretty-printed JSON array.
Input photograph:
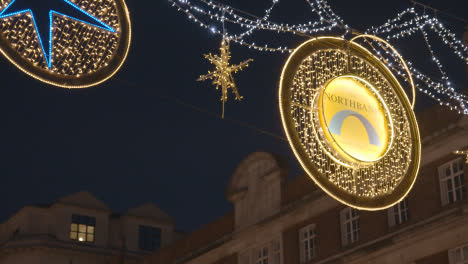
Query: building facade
[
  {"x": 276, "y": 221},
  {"x": 80, "y": 229}
]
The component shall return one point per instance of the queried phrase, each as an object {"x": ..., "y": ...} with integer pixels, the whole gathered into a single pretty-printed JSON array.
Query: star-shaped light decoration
[
  {"x": 222, "y": 75},
  {"x": 66, "y": 43},
  {"x": 462, "y": 152},
  {"x": 42, "y": 13}
]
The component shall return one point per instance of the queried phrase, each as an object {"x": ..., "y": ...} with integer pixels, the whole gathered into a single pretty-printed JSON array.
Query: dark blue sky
[{"x": 137, "y": 137}]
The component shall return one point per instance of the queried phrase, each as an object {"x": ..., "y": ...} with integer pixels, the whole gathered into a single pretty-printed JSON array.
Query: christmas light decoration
[
  {"x": 462, "y": 152},
  {"x": 405, "y": 24},
  {"x": 73, "y": 51},
  {"x": 349, "y": 122},
  {"x": 222, "y": 75}
]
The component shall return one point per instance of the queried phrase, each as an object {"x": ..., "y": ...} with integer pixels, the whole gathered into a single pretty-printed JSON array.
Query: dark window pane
[
  {"x": 450, "y": 196},
  {"x": 149, "y": 238},
  {"x": 75, "y": 219}
]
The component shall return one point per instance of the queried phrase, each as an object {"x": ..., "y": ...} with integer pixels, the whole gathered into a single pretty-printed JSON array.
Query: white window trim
[
  {"x": 250, "y": 256},
  {"x": 452, "y": 255},
  {"x": 444, "y": 194},
  {"x": 304, "y": 238},
  {"x": 344, "y": 230},
  {"x": 259, "y": 254},
  {"x": 399, "y": 206}
]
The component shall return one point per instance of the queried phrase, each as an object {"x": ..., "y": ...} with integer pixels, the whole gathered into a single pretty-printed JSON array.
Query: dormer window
[
  {"x": 149, "y": 238},
  {"x": 82, "y": 228}
]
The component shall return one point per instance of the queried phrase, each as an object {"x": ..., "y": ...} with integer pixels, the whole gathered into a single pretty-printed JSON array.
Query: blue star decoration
[{"x": 42, "y": 17}]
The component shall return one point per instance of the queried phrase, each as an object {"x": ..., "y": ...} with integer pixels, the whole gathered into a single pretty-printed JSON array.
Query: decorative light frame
[
  {"x": 322, "y": 168},
  {"x": 76, "y": 81}
]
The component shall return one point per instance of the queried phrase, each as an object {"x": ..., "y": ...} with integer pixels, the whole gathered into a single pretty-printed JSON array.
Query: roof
[
  {"x": 151, "y": 211},
  {"x": 84, "y": 199},
  {"x": 199, "y": 240}
]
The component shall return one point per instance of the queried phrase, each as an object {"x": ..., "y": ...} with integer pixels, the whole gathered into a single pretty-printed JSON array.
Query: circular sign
[
  {"x": 74, "y": 44},
  {"x": 349, "y": 123},
  {"x": 354, "y": 119}
]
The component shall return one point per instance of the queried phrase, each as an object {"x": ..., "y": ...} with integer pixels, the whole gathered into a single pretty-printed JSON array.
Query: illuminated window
[
  {"x": 82, "y": 228},
  {"x": 149, "y": 238},
  {"x": 399, "y": 213},
  {"x": 458, "y": 255},
  {"x": 349, "y": 226},
  {"x": 452, "y": 183},
  {"x": 307, "y": 243}
]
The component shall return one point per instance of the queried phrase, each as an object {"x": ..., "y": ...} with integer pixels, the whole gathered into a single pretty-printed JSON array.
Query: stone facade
[
  {"x": 42, "y": 234},
  {"x": 270, "y": 212}
]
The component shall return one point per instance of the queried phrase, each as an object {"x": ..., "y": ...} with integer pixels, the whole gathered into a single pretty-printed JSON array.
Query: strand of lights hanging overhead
[
  {"x": 406, "y": 23},
  {"x": 428, "y": 83}
]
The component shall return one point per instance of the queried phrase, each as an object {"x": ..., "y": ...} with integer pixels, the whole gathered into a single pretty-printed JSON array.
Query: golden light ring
[
  {"x": 413, "y": 87},
  {"x": 406, "y": 129},
  {"x": 78, "y": 81}
]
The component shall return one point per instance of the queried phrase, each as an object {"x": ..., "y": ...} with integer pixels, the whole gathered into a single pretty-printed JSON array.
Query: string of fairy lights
[{"x": 208, "y": 13}]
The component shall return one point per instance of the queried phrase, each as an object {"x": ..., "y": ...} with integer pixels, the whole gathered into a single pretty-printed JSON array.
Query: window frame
[
  {"x": 449, "y": 196},
  {"x": 259, "y": 255},
  {"x": 273, "y": 256},
  {"x": 399, "y": 213},
  {"x": 144, "y": 232},
  {"x": 354, "y": 230},
  {"x": 77, "y": 223},
  {"x": 463, "y": 249},
  {"x": 307, "y": 237}
]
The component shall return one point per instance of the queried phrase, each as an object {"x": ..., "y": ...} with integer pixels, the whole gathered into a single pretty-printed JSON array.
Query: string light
[
  {"x": 406, "y": 23},
  {"x": 78, "y": 54},
  {"x": 462, "y": 152}
]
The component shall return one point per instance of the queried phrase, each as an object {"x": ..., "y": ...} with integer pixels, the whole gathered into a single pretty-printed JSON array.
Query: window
[
  {"x": 452, "y": 183},
  {"x": 349, "y": 226},
  {"x": 82, "y": 228},
  {"x": 276, "y": 252},
  {"x": 149, "y": 238},
  {"x": 307, "y": 243},
  {"x": 399, "y": 213},
  {"x": 458, "y": 255},
  {"x": 261, "y": 257},
  {"x": 266, "y": 254}
]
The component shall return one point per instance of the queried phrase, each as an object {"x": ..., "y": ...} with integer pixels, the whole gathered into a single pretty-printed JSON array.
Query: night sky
[{"x": 152, "y": 133}]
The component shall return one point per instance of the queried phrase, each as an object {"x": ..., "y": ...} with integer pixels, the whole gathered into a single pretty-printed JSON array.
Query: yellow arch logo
[{"x": 354, "y": 119}]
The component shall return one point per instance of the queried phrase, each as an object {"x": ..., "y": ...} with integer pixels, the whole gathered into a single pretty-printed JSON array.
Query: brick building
[
  {"x": 81, "y": 229},
  {"x": 276, "y": 221}
]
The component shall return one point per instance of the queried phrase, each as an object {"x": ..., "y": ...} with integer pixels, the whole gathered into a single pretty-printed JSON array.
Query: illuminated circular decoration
[
  {"x": 349, "y": 123},
  {"x": 74, "y": 44}
]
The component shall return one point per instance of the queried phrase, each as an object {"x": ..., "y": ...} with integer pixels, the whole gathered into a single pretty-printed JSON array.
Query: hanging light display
[
  {"x": 349, "y": 122},
  {"x": 206, "y": 13},
  {"x": 83, "y": 44}
]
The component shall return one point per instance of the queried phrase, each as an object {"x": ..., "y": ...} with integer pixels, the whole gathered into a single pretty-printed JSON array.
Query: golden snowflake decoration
[
  {"x": 462, "y": 152},
  {"x": 222, "y": 75}
]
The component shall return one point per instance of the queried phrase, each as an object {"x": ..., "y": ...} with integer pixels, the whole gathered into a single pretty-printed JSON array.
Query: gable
[
  {"x": 149, "y": 210},
  {"x": 84, "y": 199}
]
